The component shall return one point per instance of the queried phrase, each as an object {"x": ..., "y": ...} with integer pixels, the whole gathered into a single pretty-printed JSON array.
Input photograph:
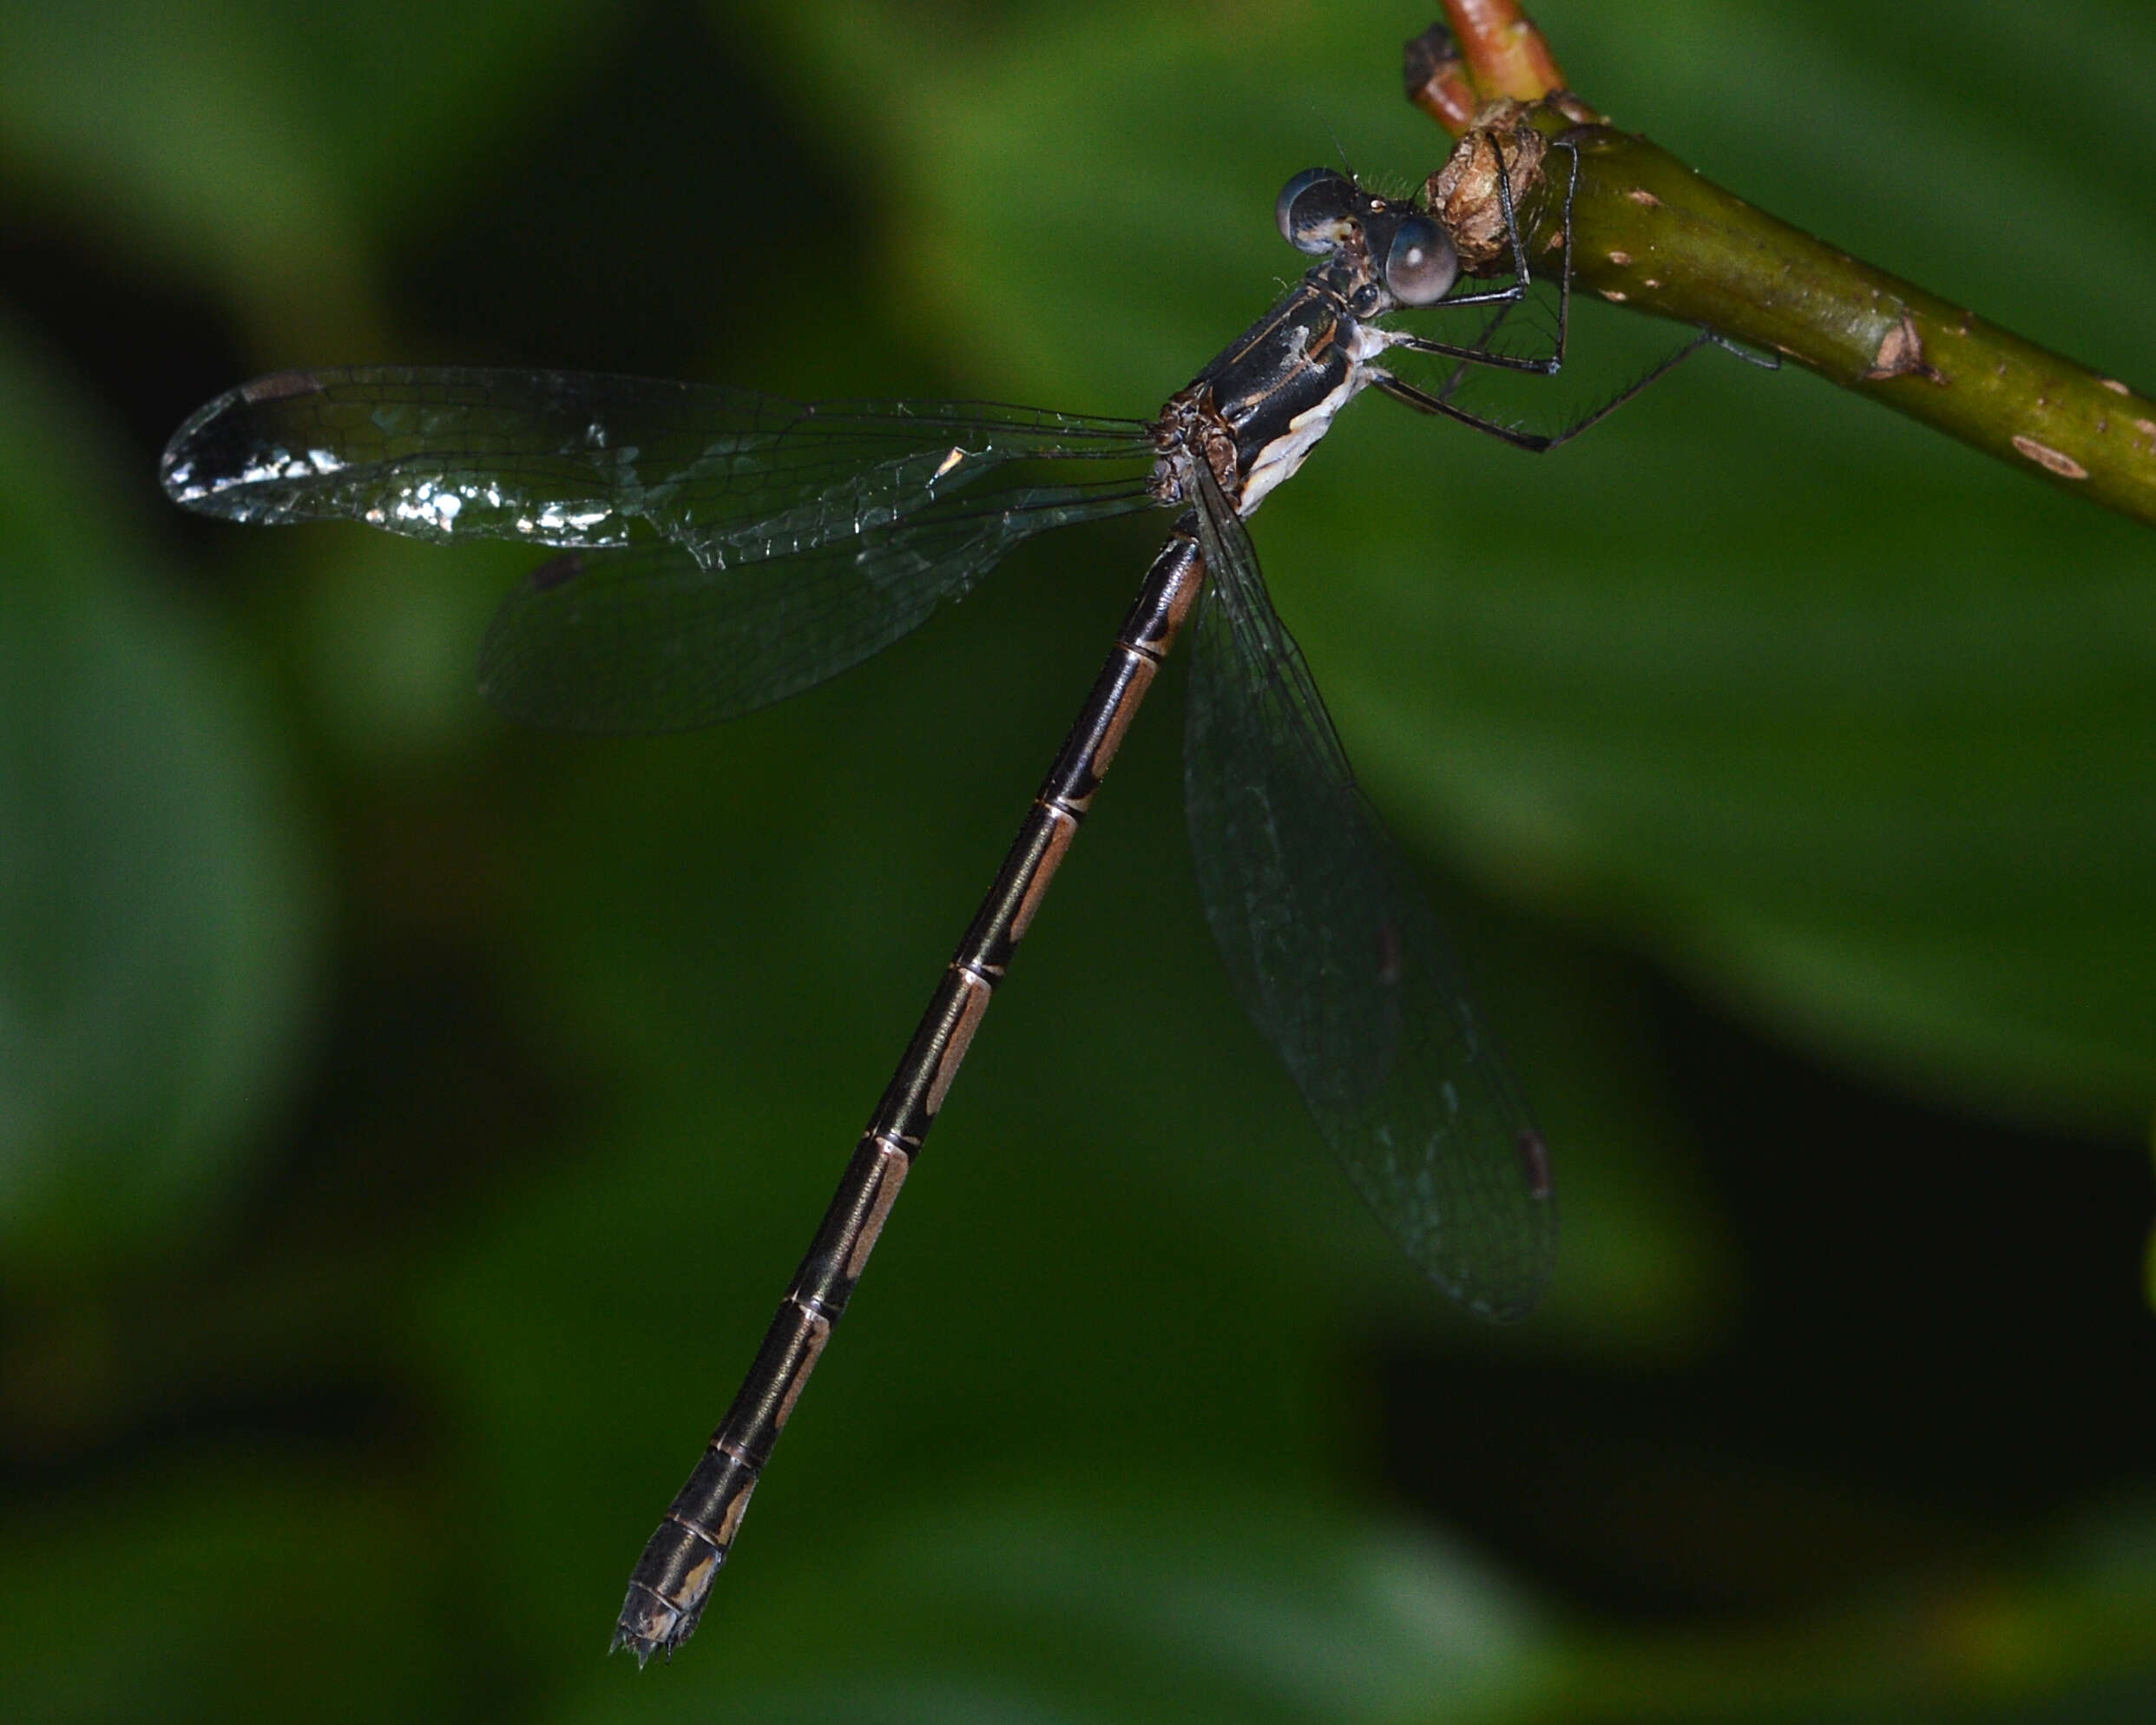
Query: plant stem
[{"x": 1649, "y": 233}]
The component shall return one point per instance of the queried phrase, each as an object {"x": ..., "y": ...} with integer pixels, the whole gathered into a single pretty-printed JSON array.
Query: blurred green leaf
[
  {"x": 386, "y": 637},
  {"x": 264, "y": 151},
  {"x": 235, "y": 1587},
  {"x": 156, "y": 910}
]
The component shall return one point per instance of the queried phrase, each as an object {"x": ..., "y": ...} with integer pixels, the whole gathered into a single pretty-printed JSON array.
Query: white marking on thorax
[{"x": 1278, "y": 459}]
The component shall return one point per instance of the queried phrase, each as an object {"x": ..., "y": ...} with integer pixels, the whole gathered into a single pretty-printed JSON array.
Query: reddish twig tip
[{"x": 1506, "y": 54}]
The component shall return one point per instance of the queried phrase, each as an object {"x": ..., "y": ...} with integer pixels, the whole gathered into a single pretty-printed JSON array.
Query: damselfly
[{"x": 724, "y": 550}]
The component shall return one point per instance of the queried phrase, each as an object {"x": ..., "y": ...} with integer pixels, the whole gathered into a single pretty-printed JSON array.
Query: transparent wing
[
  {"x": 732, "y": 548},
  {"x": 1338, "y": 959},
  {"x": 649, "y": 637}
]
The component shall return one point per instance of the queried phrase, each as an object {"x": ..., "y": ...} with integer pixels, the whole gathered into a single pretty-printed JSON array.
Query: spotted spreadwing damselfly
[{"x": 723, "y": 550}]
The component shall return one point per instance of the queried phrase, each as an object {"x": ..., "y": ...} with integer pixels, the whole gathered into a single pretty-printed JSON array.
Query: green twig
[{"x": 1651, "y": 233}]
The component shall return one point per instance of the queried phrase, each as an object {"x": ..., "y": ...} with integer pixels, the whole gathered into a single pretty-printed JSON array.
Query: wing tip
[{"x": 219, "y": 448}]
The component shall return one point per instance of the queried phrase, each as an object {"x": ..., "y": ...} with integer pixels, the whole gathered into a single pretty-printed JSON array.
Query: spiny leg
[{"x": 1537, "y": 443}]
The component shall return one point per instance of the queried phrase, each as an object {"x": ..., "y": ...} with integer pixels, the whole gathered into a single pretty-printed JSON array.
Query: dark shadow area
[{"x": 1944, "y": 1342}]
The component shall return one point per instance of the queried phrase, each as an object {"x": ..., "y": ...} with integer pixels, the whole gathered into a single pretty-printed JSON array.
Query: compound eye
[
  {"x": 1316, "y": 210},
  {"x": 1420, "y": 267}
]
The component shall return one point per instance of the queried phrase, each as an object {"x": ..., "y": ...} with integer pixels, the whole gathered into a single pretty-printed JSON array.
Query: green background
[{"x": 407, "y": 1123}]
